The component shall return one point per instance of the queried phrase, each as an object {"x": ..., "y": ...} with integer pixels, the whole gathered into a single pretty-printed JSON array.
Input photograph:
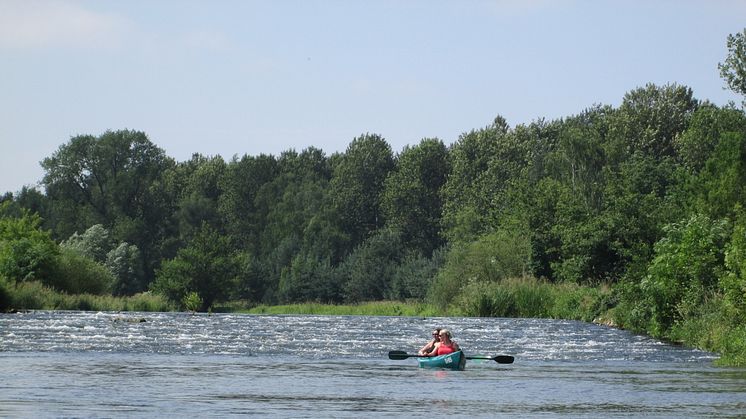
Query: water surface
[{"x": 88, "y": 364}]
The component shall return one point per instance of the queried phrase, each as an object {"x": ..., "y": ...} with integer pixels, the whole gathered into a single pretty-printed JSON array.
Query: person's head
[
  {"x": 445, "y": 334},
  {"x": 436, "y": 333}
]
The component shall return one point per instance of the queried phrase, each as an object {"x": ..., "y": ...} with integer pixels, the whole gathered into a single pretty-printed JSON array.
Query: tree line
[{"x": 647, "y": 197}]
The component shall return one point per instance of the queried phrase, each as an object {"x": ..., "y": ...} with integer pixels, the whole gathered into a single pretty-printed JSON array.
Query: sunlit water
[{"x": 86, "y": 364}]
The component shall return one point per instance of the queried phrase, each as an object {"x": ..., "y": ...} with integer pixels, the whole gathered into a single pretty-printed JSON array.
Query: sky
[{"x": 245, "y": 77}]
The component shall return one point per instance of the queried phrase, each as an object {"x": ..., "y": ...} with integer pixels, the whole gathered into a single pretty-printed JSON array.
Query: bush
[
  {"x": 78, "y": 274},
  {"x": 492, "y": 258},
  {"x": 370, "y": 268},
  {"x": 733, "y": 283},
  {"x": 684, "y": 272},
  {"x": 414, "y": 275},
  {"x": 205, "y": 266},
  {"x": 26, "y": 252}
]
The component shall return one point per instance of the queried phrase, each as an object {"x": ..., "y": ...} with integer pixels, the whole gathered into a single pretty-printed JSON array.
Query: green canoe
[{"x": 453, "y": 361}]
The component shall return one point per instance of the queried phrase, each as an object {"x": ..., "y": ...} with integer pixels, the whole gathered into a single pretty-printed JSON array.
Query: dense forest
[{"x": 645, "y": 200}]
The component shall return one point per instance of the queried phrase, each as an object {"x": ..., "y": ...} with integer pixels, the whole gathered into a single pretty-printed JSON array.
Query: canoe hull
[{"x": 453, "y": 361}]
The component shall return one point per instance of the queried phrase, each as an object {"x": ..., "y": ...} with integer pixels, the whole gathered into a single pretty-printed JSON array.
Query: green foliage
[
  {"x": 309, "y": 279},
  {"x": 722, "y": 182},
  {"x": 411, "y": 200},
  {"x": 78, "y": 274},
  {"x": 35, "y": 295},
  {"x": 237, "y": 205},
  {"x": 413, "y": 276},
  {"x": 732, "y": 283},
  {"x": 707, "y": 125},
  {"x": 357, "y": 186},
  {"x": 485, "y": 299},
  {"x": 733, "y": 70},
  {"x": 527, "y": 297},
  {"x": 492, "y": 258},
  {"x": 5, "y": 294},
  {"x": 93, "y": 244},
  {"x": 205, "y": 266},
  {"x": 124, "y": 262},
  {"x": 115, "y": 180},
  {"x": 374, "y": 308},
  {"x": 370, "y": 268},
  {"x": 27, "y": 252},
  {"x": 650, "y": 118},
  {"x": 192, "y": 301},
  {"x": 684, "y": 273},
  {"x": 483, "y": 164}
]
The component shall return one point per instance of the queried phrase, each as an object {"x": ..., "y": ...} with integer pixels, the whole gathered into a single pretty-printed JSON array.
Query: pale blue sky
[{"x": 251, "y": 77}]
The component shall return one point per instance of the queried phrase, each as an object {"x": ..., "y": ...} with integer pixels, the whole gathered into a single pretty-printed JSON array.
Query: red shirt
[{"x": 443, "y": 349}]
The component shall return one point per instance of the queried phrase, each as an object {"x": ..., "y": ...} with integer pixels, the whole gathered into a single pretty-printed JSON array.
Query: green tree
[
  {"x": 237, "y": 204},
  {"x": 114, "y": 180},
  {"x": 411, "y": 199},
  {"x": 27, "y": 253},
  {"x": 465, "y": 195},
  {"x": 206, "y": 266},
  {"x": 79, "y": 274},
  {"x": 722, "y": 182},
  {"x": 492, "y": 258},
  {"x": 357, "y": 186},
  {"x": 309, "y": 279},
  {"x": 708, "y": 124},
  {"x": 685, "y": 271},
  {"x": 649, "y": 120},
  {"x": 94, "y": 243},
  {"x": 125, "y": 264},
  {"x": 370, "y": 268},
  {"x": 415, "y": 274},
  {"x": 733, "y": 283},
  {"x": 198, "y": 183},
  {"x": 733, "y": 70}
]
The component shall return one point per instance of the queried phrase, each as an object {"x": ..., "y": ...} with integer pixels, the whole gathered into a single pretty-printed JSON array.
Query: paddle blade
[
  {"x": 504, "y": 359},
  {"x": 398, "y": 355},
  {"x": 500, "y": 359}
]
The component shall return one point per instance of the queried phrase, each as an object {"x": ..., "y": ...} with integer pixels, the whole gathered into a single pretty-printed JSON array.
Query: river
[{"x": 88, "y": 364}]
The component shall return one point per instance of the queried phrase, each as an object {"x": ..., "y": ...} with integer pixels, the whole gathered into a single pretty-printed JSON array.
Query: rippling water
[{"x": 87, "y": 364}]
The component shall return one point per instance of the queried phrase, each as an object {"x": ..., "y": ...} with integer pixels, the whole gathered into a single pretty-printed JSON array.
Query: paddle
[{"x": 500, "y": 359}]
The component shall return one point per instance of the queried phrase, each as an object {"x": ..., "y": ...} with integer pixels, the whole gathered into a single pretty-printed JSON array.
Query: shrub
[
  {"x": 492, "y": 258},
  {"x": 685, "y": 270},
  {"x": 79, "y": 274},
  {"x": 26, "y": 252}
]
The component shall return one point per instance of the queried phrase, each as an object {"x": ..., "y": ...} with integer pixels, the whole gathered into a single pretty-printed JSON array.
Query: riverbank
[{"x": 35, "y": 296}]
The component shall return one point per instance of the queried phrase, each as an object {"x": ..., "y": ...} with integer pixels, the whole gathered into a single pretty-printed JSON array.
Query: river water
[{"x": 88, "y": 364}]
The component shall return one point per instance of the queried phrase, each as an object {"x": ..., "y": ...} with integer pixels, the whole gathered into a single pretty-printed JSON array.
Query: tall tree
[
  {"x": 733, "y": 70},
  {"x": 205, "y": 266},
  {"x": 650, "y": 118},
  {"x": 357, "y": 186},
  {"x": 412, "y": 201},
  {"x": 114, "y": 180},
  {"x": 242, "y": 182}
]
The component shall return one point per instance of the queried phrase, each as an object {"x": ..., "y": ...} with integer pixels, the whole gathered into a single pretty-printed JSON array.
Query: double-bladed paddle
[{"x": 500, "y": 359}]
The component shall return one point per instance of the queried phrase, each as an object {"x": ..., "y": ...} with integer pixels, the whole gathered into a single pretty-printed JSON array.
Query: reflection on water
[{"x": 112, "y": 364}]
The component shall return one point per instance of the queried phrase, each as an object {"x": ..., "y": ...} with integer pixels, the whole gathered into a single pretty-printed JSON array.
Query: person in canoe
[
  {"x": 445, "y": 346},
  {"x": 429, "y": 346}
]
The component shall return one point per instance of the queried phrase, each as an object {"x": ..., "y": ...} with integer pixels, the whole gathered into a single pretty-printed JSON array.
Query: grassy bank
[
  {"x": 510, "y": 298},
  {"x": 35, "y": 296}
]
